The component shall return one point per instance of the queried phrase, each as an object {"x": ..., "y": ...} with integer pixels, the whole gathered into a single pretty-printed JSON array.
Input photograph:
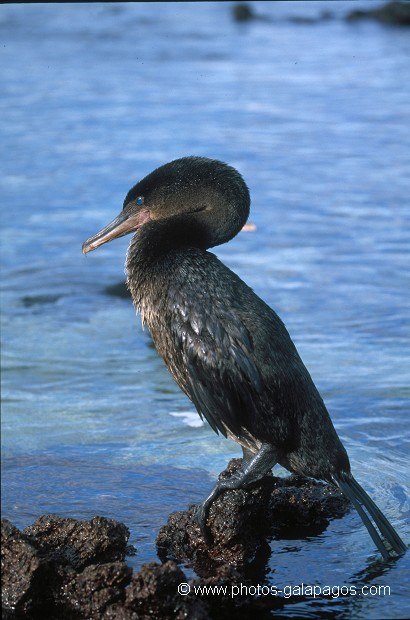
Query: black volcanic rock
[
  {"x": 241, "y": 521},
  {"x": 65, "y": 569},
  {"x": 393, "y": 13}
]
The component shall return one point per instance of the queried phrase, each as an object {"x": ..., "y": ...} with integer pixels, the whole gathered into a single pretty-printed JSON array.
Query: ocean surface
[{"x": 314, "y": 111}]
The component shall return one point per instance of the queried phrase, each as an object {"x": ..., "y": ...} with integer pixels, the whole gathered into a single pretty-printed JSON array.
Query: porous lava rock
[
  {"x": 242, "y": 521},
  {"x": 66, "y": 569}
]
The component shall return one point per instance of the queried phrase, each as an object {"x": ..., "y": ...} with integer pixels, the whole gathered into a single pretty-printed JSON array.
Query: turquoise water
[{"x": 315, "y": 117}]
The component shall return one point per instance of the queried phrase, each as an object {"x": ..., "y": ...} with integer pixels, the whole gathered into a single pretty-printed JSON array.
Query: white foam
[{"x": 191, "y": 418}]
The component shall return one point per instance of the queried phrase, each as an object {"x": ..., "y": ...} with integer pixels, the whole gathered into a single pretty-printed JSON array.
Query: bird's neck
[{"x": 154, "y": 258}]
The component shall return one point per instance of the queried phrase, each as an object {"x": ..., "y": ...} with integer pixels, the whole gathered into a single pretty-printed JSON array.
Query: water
[{"x": 315, "y": 116}]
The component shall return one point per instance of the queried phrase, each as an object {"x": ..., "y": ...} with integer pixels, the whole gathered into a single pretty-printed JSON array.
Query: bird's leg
[
  {"x": 247, "y": 457},
  {"x": 253, "y": 467}
]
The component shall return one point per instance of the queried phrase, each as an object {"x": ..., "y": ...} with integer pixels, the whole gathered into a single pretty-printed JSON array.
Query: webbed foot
[{"x": 252, "y": 469}]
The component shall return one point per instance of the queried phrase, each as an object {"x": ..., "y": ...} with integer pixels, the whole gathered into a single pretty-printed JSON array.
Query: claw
[{"x": 200, "y": 517}]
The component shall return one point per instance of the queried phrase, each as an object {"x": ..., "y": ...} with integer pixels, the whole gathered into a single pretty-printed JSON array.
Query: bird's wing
[{"x": 215, "y": 351}]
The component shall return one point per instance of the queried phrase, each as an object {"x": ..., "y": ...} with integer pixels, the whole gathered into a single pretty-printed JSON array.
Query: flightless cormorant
[{"x": 225, "y": 347}]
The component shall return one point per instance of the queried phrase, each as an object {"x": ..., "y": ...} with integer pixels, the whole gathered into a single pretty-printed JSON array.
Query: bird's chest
[
  {"x": 159, "y": 300},
  {"x": 179, "y": 302},
  {"x": 177, "y": 326}
]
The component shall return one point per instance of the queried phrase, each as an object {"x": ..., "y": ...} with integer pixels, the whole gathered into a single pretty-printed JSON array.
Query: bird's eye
[{"x": 140, "y": 200}]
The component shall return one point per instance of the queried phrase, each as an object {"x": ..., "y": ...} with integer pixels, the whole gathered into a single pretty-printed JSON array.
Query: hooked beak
[{"x": 129, "y": 220}]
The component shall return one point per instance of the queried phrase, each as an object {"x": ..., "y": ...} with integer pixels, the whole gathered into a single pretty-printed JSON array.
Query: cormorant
[{"x": 225, "y": 347}]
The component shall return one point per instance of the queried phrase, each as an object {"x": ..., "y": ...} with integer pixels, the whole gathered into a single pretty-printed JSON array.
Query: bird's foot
[
  {"x": 254, "y": 469},
  {"x": 202, "y": 510},
  {"x": 201, "y": 517}
]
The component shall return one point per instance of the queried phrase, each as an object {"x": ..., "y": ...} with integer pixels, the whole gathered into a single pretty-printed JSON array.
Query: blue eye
[{"x": 140, "y": 200}]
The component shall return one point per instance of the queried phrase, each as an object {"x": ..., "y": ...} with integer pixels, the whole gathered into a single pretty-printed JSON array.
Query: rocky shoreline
[{"x": 62, "y": 568}]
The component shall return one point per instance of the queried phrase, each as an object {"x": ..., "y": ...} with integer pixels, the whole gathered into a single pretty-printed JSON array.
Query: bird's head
[{"x": 204, "y": 202}]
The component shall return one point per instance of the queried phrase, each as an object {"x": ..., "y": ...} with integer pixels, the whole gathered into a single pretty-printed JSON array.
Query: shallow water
[{"x": 315, "y": 117}]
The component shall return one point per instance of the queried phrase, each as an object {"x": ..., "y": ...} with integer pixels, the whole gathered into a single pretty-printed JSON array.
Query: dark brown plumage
[{"x": 227, "y": 350}]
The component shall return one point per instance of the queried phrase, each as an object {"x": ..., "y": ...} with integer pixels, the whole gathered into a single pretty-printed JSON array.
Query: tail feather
[
  {"x": 361, "y": 501},
  {"x": 381, "y": 520}
]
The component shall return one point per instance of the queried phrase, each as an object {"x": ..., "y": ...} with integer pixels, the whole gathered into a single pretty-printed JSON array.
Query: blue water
[{"x": 315, "y": 116}]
